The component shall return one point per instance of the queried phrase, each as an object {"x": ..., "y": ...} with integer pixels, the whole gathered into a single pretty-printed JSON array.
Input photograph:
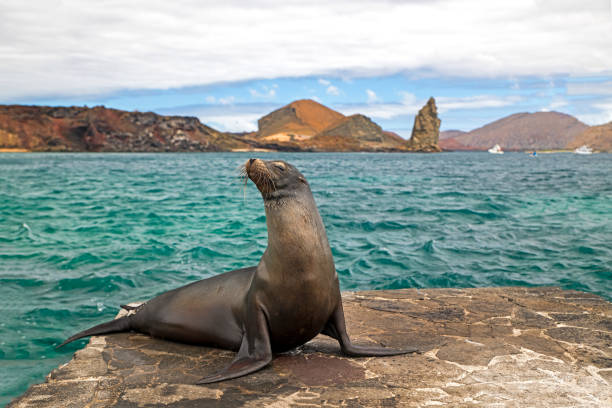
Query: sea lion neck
[{"x": 296, "y": 230}]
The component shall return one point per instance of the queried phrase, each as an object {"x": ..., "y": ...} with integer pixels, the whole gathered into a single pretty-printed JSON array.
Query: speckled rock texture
[
  {"x": 426, "y": 129},
  {"x": 489, "y": 347}
]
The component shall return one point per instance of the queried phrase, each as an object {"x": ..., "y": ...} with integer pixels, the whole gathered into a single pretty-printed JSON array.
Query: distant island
[
  {"x": 531, "y": 131},
  {"x": 303, "y": 125}
]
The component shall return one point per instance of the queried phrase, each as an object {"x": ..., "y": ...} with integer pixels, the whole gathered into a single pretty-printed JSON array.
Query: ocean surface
[{"x": 82, "y": 233}]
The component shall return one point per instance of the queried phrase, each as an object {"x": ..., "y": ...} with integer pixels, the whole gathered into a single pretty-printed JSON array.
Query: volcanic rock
[
  {"x": 359, "y": 127},
  {"x": 426, "y": 129},
  {"x": 299, "y": 120},
  {"x": 484, "y": 347},
  {"x": 99, "y": 129}
]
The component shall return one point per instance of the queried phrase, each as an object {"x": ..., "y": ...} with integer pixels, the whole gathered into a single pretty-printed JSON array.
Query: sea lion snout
[
  {"x": 258, "y": 172},
  {"x": 255, "y": 168}
]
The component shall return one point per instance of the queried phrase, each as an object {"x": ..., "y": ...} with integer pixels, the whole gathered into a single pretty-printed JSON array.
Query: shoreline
[
  {"x": 258, "y": 150},
  {"x": 14, "y": 150}
]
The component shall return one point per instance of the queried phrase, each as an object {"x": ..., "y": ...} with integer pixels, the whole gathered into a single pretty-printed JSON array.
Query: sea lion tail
[{"x": 121, "y": 324}]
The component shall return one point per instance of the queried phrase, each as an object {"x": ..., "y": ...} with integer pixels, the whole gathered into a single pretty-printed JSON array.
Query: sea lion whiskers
[
  {"x": 261, "y": 175},
  {"x": 244, "y": 178}
]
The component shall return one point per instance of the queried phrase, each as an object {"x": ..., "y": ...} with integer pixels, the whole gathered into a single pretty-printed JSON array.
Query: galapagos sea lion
[{"x": 292, "y": 295}]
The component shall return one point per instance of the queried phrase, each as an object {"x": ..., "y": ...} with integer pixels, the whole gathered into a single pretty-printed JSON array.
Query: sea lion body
[
  {"x": 206, "y": 312},
  {"x": 291, "y": 296}
]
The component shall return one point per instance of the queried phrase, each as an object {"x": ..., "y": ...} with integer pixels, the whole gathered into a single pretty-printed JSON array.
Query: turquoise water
[{"x": 82, "y": 233}]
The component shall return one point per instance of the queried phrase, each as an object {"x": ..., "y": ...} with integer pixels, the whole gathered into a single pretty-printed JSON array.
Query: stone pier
[{"x": 489, "y": 347}]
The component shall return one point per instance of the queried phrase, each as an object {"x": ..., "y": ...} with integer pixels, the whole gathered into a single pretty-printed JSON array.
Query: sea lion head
[{"x": 276, "y": 179}]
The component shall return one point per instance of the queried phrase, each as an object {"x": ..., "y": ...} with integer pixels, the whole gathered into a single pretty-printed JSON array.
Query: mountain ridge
[
  {"x": 522, "y": 131},
  {"x": 302, "y": 125}
]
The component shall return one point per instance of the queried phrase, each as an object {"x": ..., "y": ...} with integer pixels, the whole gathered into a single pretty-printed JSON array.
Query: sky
[{"x": 231, "y": 62}]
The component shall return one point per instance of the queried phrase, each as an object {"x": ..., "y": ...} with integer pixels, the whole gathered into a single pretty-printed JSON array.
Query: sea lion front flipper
[
  {"x": 255, "y": 351},
  {"x": 336, "y": 328}
]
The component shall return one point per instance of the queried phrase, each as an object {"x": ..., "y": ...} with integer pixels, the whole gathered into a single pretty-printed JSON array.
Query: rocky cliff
[
  {"x": 426, "y": 129},
  {"x": 98, "y": 129},
  {"x": 598, "y": 138}
]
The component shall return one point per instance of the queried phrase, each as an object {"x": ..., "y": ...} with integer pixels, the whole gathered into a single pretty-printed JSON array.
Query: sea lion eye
[{"x": 279, "y": 166}]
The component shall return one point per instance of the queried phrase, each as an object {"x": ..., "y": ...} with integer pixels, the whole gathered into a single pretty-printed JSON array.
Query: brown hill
[
  {"x": 297, "y": 121},
  {"x": 451, "y": 145},
  {"x": 541, "y": 130},
  {"x": 355, "y": 133},
  {"x": 447, "y": 134},
  {"x": 308, "y": 125},
  {"x": 43, "y": 128},
  {"x": 394, "y": 136},
  {"x": 598, "y": 138},
  {"x": 359, "y": 127}
]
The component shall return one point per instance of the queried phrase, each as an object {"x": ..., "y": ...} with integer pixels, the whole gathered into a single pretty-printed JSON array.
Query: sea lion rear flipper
[
  {"x": 121, "y": 324},
  {"x": 255, "y": 351},
  {"x": 336, "y": 328}
]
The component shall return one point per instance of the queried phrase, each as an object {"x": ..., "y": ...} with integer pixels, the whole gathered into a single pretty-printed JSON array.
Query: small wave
[
  {"x": 22, "y": 282},
  {"x": 82, "y": 260},
  {"x": 26, "y": 232},
  {"x": 387, "y": 262},
  {"x": 205, "y": 253},
  {"x": 585, "y": 250},
  {"x": 370, "y": 226},
  {"x": 469, "y": 213},
  {"x": 429, "y": 247},
  {"x": 95, "y": 283}
]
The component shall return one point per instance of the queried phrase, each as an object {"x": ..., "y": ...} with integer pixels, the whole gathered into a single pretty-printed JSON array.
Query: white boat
[
  {"x": 496, "y": 150},
  {"x": 584, "y": 149}
]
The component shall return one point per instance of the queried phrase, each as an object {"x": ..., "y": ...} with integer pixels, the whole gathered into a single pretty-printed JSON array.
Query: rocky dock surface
[{"x": 489, "y": 347}]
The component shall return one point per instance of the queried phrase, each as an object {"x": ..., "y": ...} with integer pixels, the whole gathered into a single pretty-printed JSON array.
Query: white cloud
[
  {"x": 598, "y": 114},
  {"x": 267, "y": 92},
  {"x": 232, "y": 123},
  {"x": 332, "y": 90},
  {"x": 589, "y": 88},
  {"x": 229, "y": 117},
  {"x": 556, "y": 103},
  {"x": 78, "y": 47},
  {"x": 372, "y": 98},
  {"x": 475, "y": 102},
  {"x": 211, "y": 99},
  {"x": 227, "y": 100},
  {"x": 324, "y": 82},
  {"x": 407, "y": 106}
]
